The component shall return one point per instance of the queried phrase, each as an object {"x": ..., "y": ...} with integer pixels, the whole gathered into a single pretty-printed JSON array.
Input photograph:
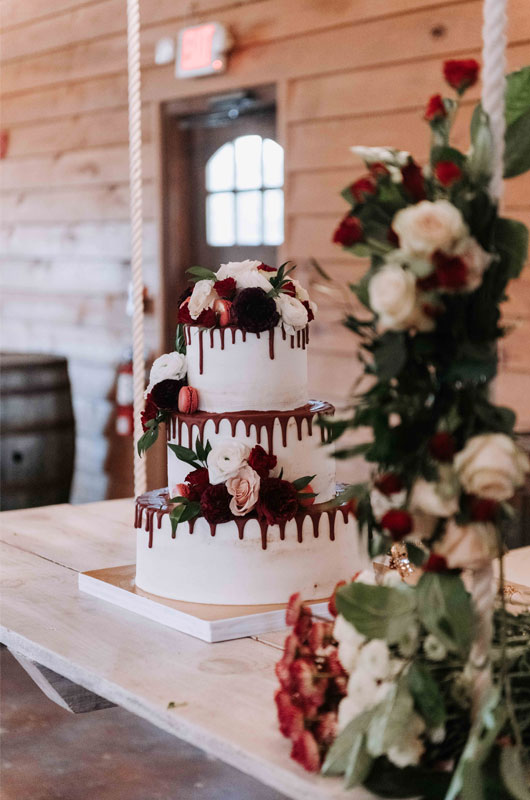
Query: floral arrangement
[
  {"x": 231, "y": 480},
  {"x": 248, "y": 295},
  {"x": 445, "y": 464}
]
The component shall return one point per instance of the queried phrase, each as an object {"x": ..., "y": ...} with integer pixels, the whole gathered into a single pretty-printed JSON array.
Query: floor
[{"x": 49, "y": 754}]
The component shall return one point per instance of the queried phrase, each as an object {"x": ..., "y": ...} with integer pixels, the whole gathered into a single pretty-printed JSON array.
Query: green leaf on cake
[
  {"x": 445, "y": 610},
  {"x": 185, "y": 454},
  {"x": 301, "y": 483},
  {"x": 183, "y": 512},
  {"x": 180, "y": 340},
  {"x": 278, "y": 280},
  {"x": 202, "y": 451},
  {"x": 201, "y": 274},
  {"x": 378, "y": 612},
  {"x": 148, "y": 438}
]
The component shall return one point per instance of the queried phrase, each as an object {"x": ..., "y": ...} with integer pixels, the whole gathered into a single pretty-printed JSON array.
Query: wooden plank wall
[{"x": 352, "y": 72}]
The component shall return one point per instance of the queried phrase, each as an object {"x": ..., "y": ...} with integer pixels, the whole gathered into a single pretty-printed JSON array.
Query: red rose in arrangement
[
  {"x": 483, "y": 510},
  {"x": 451, "y": 271},
  {"x": 266, "y": 268},
  {"x": 165, "y": 395},
  {"x": 447, "y": 172},
  {"x": 197, "y": 480},
  {"x": 435, "y": 563},
  {"x": 398, "y": 523},
  {"x": 278, "y": 501},
  {"x": 442, "y": 446},
  {"x": 255, "y": 311},
  {"x": 226, "y": 289},
  {"x": 363, "y": 187},
  {"x": 388, "y": 483},
  {"x": 215, "y": 504},
  {"x": 206, "y": 318},
  {"x": 150, "y": 411},
  {"x": 378, "y": 169},
  {"x": 349, "y": 231},
  {"x": 310, "y": 315},
  {"x": 289, "y": 288},
  {"x": 261, "y": 461},
  {"x": 413, "y": 181},
  {"x": 436, "y": 109},
  {"x": 461, "y": 73}
]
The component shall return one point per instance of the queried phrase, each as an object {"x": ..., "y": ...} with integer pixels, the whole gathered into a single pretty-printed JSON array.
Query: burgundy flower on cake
[
  {"x": 447, "y": 172},
  {"x": 289, "y": 288},
  {"x": 349, "y": 232},
  {"x": 215, "y": 504},
  {"x": 436, "y": 109},
  {"x": 150, "y": 411},
  {"x": 255, "y": 311},
  {"x": 442, "y": 446},
  {"x": 413, "y": 181},
  {"x": 206, "y": 318},
  {"x": 461, "y": 73},
  {"x": 398, "y": 523},
  {"x": 226, "y": 288},
  {"x": 165, "y": 395},
  {"x": 197, "y": 480},
  {"x": 278, "y": 501},
  {"x": 266, "y": 268},
  {"x": 261, "y": 461}
]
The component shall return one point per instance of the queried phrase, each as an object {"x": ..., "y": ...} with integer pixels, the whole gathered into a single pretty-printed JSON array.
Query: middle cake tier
[{"x": 294, "y": 437}]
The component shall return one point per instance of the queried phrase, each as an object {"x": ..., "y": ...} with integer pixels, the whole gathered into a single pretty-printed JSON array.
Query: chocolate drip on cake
[{"x": 156, "y": 503}]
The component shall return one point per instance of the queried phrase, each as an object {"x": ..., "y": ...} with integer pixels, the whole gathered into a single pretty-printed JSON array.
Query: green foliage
[
  {"x": 339, "y": 755},
  {"x": 390, "y": 355},
  {"x": 180, "y": 340},
  {"x": 511, "y": 242},
  {"x": 183, "y": 511},
  {"x": 517, "y": 96},
  {"x": 391, "y": 718},
  {"x": 301, "y": 483},
  {"x": 201, "y": 274},
  {"x": 517, "y": 137},
  {"x": 280, "y": 279},
  {"x": 378, "y": 612},
  {"x": 148, "y": 438},
  {"x": 444, "y": 608},
  {"x": 481, "y": 157},
  {"x": 427, "y": 696}
]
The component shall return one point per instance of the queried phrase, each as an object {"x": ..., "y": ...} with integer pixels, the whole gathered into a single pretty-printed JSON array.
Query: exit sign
[{"x": 201, "y": 50}]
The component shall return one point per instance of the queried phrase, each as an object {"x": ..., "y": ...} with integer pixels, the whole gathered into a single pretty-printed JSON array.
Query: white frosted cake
[{"x": 250, "y": 514}]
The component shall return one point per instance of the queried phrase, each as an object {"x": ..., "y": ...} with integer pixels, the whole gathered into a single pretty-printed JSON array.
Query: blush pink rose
[{"x": 244, "y": 488}]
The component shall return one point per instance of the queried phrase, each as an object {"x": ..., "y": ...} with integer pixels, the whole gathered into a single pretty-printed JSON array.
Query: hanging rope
[
  {"x": 483, "y": 588},
  {"x": 135, "y": 188}
]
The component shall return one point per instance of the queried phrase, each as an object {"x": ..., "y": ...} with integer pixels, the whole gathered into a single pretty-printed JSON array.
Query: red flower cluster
[
  {"x": 165, "y": 394},
  {"x": 198, "y": 481},
  {"x": 389, "y": 483},
  {"x": 215, "y": 504},
  {"x": 435, "y": 563},
  {"x": 226, "y": 289},
  {"x": 447, "y": 173},
  {"x": 255, "y": 311},
  {"x": 398, "y": 523},
  {"x": 482, "y": 509},
  {"x": 442, "y": 446},
  {"x": 349, "y": 231},
  {"x": 206, "y": 318},
  {"x": 450, "y": 272},
  {"x": 312, "y": 684},
  {"x": 277, "y": 501},
  {"x": 436, "y": 109},
  {"x": 261, "y": 462},
  {"x": 150, "y": 411},
  {"x": 413, "y": 181},
  {"x": 460, "y": 74},
  {"x": 363, "y": 187}
]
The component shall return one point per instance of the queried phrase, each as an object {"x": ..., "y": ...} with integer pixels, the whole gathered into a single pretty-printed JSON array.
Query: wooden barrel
[{"x": 37, "y": 431}]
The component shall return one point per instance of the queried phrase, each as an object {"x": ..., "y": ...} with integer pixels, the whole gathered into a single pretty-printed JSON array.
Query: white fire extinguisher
[{"x": 125, "y": 397}]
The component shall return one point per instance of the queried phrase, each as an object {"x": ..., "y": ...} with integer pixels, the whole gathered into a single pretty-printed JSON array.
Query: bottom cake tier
[{"x": 245, "y": 561}]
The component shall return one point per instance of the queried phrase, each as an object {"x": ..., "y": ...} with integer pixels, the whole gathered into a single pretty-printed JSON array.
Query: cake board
[{"x": 211, "y": 623}]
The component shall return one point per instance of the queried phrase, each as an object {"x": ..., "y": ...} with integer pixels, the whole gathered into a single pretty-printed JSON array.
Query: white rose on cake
[
  {"x": 170, "y": 366},
  {"x": 491, "y": 466},
  {"x": 293, "y": 313},
  {"x": 244, "y": 489},
  {"x": 246, "y": 274},
  {"x": 202, "y": 297},
  {"x": 225, "y": 460},
  {"x": 427, "y": 226}
]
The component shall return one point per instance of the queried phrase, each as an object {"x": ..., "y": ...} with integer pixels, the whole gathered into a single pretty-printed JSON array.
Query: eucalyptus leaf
[
  {"x": 426, "y": 694},
  {"x": 378, "y": 612},
  {"x": 185, "y": 454},
  {"x": 445, "y": 609}
]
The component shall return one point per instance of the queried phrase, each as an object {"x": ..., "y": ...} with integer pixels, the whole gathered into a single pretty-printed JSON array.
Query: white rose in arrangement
[
  {"x": 292, "y": 312},
  {"x": 244, "y": 489},
  {"x": 170, "y": 366},
  {"x": 426, "y": 227},
  {"x": 467, "y": 546},
  {"x": 392, "y": 295},
  {"x": 202, "y": 297},
  {"x": 364, "y": 692},
  {"x": 429, "y": 498},
  {"x": 381, "y": 503},
  {"x": 225, "y": 460},
  {"x": 491, "y": 466},
  {"x": 475, "y": 258},
  {"x": 408, "y": 749},
  {"x": 434, "y": 649},
  {"x": 350, "y": 642},
  {"x": 387, "y": 155},
  {"x": 374, "y": 659},
  {"x": 246, "y": 274}
]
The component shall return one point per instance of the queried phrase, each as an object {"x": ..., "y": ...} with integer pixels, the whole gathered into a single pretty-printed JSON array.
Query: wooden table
[{"x": 221, "y": 695}]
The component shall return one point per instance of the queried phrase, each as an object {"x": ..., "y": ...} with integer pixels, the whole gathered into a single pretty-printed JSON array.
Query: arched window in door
[{"x": 244, "y": 193}]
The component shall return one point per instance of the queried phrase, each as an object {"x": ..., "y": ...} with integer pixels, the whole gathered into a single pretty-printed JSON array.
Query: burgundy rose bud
[
  {"x": 462, "y": 73},
  {"x": 226, "y": 289},
  {"x": 165, "y": 394},
  {"x": 447, "y": 173},
  {"x": 277, "y": 502},
  {"x": 261, "y": 461},
  {"x": 482, "y": 509},
  {"x": 388, "y": 483},
  {"x": 215, "y": 504},
  {"x": 451, "y": 271},
  {"x": 198, "y": 480},
  {"x": 305, "y": 751},
  {"x": 436, "y": 109},
  {"x": 398, "y": 523},
  {"x": 378, "y": 169},
  {"x": 349, "y": 231},
  {"x": 255, "y": 311},
  {"x": 435, "y": 563},
  {"x": 442, "y": 446},
  {"x": 363, "y": 187},
  {"x": 150, "y": 411},
  {"x": 413, "y": 181}
]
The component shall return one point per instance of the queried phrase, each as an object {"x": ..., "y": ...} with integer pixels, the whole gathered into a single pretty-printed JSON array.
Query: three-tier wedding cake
[{"x": 250, "y": 515}]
